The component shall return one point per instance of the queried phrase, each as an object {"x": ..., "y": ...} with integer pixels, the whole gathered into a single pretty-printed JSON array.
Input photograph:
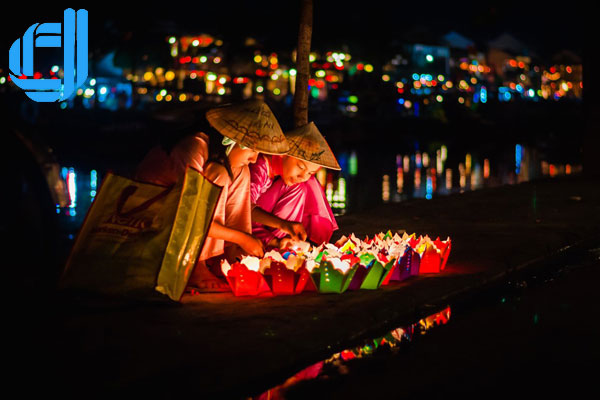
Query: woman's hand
[
  {"x": 285, "y": 242},
  {"x": 252, "y": 246},
  {"x": 294, "y": 229},
  {"x": 341, "y": 241}
]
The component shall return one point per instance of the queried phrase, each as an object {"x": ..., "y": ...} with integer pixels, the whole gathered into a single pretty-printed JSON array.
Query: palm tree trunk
[{"x": 302, "y": 64}]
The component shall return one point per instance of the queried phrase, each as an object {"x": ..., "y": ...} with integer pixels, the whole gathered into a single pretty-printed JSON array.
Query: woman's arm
[
  {"x": 248, "y": 243},
  {"x": 261, "y": 216},
  {"x": 294, "y": 229}
]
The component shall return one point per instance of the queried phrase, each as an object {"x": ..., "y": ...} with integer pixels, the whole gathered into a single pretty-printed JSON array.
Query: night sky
[{"x": 367, "y": 27}]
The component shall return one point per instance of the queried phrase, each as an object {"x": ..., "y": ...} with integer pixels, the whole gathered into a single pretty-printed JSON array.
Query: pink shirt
[
  {"x": 164, "y": 169},
  {"x": 262, "y": 174},
  {"x": 232, "y": 209}
]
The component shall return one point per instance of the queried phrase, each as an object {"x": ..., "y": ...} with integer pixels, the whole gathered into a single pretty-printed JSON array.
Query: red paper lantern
[
  {"x": 444, "y": 247},
  {"x": 245, "y": 282},
  {"x": 431, "y": 260}
]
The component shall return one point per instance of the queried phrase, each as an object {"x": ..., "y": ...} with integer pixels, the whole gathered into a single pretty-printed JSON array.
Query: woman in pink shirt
[{"x": 247, "y": 128}]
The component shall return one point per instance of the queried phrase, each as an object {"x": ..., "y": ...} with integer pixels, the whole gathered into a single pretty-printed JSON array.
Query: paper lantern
[
  {"x": 285, "y": 281},
  {"x": 280, "y": 279},
  {"x": 333, "y": 275},
  {"x": 434, "y": 254},
  {"x": 405, "y": 267},
  {"x": 444, "y": 247},
  {"x": 375, "y": 275},
  {"x": 355, "y": 264},
  {"x": 358, "y": 278},
  {"x": 244, "y": 277}
]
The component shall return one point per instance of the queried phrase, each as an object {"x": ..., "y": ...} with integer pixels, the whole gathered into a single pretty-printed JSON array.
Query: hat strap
[{"x": 230, "y": 143}]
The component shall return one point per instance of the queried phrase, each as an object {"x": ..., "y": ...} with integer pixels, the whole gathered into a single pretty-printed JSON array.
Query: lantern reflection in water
[
  {"x": 338, "y": 363},
  {"x": 463, "y": 176}
]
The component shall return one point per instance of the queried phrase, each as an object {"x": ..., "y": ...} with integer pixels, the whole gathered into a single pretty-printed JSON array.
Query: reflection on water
[
  {"x": 336, "y": 364},
  {"x": 82, "y": 188},
  {"x": 425, "y": 175},
  {"x": 416, "y": 175}
]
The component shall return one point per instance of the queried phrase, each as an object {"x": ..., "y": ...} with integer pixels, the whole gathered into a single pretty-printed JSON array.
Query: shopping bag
[{"x": 140, "y": 237}]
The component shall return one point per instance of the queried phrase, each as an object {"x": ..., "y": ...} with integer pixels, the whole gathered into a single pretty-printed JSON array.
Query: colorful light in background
[
  {"x": 399, "y": 180},
  {"x": 448, "y": 178},
  {"x": 429, "y": 187},
  {"x": 72, "y": 189},
  {"x": 438, "y": 161},
  {"x": 545, "y": 168},
  {"x": 385, "y": 188},
  {"x": 353, "y": 164},
  {"x": 444, "y": 153},
  {"x": 93, "y": 182},
  {"x": 476, "y": 177},
  {"x": 558, "y": 82},
  {"x": 518, "y": 158},
  {"x": 417, "y": 178},
  {"x": 468, "y": 162},
  {"x": 329, "y": 192},
  {"x": 463, "y": 176},
  {"x": 406, "y": 165},
  {"x": 339, "y": 195},
  {"x": 486, "y": 168}
]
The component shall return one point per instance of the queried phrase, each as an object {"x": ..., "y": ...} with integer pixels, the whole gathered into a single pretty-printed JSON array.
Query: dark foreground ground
[
  {"x": 218, "y": 345},
  {"x": 532, "y": 335}
]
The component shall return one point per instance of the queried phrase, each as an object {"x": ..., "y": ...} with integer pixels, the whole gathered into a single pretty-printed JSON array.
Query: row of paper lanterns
[{"x": 357, "y": 264}]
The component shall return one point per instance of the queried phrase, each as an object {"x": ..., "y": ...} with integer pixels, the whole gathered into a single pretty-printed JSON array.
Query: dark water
[
  {"x": 413, "y": 175},
  {"x": 536, "y": 332}
]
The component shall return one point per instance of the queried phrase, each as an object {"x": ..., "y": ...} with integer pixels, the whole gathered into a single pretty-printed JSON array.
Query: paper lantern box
[
  {"x": 245, "y": 278},
  {"x": 434, "y": 254},
  {"x": 372, "y": 271},
  {"x": 272, "y": 274},
  {"x": 331, "y": 275}
]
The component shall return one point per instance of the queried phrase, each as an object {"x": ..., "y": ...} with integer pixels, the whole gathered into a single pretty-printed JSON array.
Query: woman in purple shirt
[{"x": 288, "y": 202}]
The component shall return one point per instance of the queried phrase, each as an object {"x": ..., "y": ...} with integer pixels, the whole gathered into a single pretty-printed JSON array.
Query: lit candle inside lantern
[
  {"x": 342, "y": 265},
  {"x": 225, "y": 267},
  {"x": 251, "y": 262}
]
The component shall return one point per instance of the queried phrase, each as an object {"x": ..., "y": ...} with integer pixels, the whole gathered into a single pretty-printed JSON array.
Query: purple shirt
[{"x": 261, "y": 178}]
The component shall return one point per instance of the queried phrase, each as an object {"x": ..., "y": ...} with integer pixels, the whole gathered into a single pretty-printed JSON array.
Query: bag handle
[{"x": 128, "y": 192}]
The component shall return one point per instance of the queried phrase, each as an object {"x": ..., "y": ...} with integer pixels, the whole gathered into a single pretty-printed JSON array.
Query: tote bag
[{"x": 140, "y": 237}]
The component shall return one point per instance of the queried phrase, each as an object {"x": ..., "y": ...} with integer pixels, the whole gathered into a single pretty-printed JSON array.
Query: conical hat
[
  {"x": 307, "y": 143},
  {"x": 250, "y": 123}
]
